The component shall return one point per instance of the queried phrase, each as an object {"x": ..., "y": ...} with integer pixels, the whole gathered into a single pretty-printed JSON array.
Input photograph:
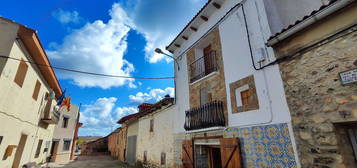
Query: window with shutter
[
  {"x": 38, "y": 150},
  {"x": 230, "y": 153},
  {"x": 36, "y": 90},
  {"x": 152, "y": 125},
  {"x": 187, "y": 154},
  {"x": 21, "y": 73}
]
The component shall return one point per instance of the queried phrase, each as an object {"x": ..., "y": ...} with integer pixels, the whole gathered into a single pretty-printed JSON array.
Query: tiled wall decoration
[{"x": 265, "y": 146}]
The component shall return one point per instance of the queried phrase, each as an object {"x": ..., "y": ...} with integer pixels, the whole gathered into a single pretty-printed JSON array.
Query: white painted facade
[
  {"x": 238, "y": 64},
  {"x": 273, "y": 108},
  {"x": 19, "y": 112},
  {"x": 160, "y": 140}
]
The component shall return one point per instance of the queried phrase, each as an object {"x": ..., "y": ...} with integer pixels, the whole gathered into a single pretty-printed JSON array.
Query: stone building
[
  {"x": 113, "y": 143},
  {"x": 229, "y": 112},
  {"x": 311, "y": 54},
  {"x": 28, "y": 97},
  {"x": 95, "y": 147},
  {"x": 155, "y": 135},
  {"x": 64, "y": 136}
]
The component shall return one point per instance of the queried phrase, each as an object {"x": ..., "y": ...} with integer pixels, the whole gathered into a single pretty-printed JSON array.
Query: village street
[{"x": 92, "y": 162}]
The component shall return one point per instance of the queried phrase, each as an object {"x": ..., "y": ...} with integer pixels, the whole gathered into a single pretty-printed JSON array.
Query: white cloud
[
  {"x": 124, "y": 111},
  {"x": 97, "y": 47},
  {"x": 100, "y": 117},
  {"x": 153, "y": 95},
  {"x": 66, "y": 17},
  {"x": 100, "y": 46},
  {"x": 161, "y": 22}
]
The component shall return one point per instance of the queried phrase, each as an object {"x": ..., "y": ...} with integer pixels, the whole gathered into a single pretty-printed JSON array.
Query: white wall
[
  {"x": 237, "y": 65},
  {"x": 158, "y": 141},
  {"x": 19, "y": 112}
]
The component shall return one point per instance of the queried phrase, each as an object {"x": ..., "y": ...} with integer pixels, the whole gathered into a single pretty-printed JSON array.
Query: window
[
  {"x": 163, "y": 158},
  {"x": 21, "y": 73},
  {"x": 243, "y": 95},
  {"x": 36, "y": 90},
  {"x": 38, "y": 150},
  {"x": 66, "y": 145},
  {"x": 145, "y": 157},
  {"x": 152, "y": 125},
  {"x": 65, "y": 122},
  {"x": 1, "y": 139}
]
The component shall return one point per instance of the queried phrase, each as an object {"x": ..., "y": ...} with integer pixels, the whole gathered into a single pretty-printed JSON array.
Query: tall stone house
[
  {"x": 230, "y": 112},
  {"x": 317, "y": 57},
  {"x": 27, "y": 99},
  {"x": 64, "y": 138}
]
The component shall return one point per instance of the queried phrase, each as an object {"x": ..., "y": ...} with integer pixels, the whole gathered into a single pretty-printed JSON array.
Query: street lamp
[{"x": 159, "y": 51}]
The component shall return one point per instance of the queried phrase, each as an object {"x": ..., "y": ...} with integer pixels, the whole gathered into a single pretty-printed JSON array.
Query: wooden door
[
  {"x": 19, "y": 151},
  {"x": 187, "y": 154},
  {"x": 54, "y": 148},
  {"x": 208, "y": 59},
  {"x": 230, "y": 153}
]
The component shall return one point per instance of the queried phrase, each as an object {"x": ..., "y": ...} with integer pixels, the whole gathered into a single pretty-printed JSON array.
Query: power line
[{"x": 86, "y": 72}]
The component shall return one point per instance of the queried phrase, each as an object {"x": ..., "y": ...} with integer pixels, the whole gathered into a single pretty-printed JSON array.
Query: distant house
[
  {"x": 28, "y": 95},
  {"x": 64, "y": 137},
  {"x": 95, "y": 147},
  {"x": 149, "y": 138}
]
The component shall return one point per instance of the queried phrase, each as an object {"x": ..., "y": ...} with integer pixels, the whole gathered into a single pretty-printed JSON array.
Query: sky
[{"x": 110, "y": 37}]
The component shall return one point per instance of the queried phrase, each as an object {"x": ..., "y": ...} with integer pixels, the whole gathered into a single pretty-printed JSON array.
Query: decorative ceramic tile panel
[{"x": 265, "y": 146}]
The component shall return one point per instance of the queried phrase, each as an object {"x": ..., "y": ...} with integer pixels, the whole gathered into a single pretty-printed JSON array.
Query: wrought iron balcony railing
[
  {"x": 203, "y": 66},
  {"x": 205, "y": 116}
]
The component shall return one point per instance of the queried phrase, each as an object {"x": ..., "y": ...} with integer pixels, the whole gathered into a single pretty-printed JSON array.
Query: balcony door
[{"x": 207, "y": 59}]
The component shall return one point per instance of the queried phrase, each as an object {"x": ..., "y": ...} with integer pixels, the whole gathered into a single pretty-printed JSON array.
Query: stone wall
[
  {"x": 216, "y": 82},
  {"x": 319, "y": 103}
]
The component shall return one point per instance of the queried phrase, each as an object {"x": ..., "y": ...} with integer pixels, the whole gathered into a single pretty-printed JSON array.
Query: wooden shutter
[
  {"x": 187, "y": 154},
  {"x": 36, "y": 90},
  {"x": 21, "y": 73},
  {"x": 230, "y": 153}
]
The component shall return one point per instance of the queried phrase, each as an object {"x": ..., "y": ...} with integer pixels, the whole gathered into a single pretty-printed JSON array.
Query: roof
[
  {"x": 163, "y": 102},
  {"x": 303, "y": 19},
  {"x": 189, "y": 23},
  {"x": 33, "y": 45}
]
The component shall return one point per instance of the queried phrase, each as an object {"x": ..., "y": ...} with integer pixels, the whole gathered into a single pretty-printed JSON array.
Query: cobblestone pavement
[{"x": 92, "y": 162}]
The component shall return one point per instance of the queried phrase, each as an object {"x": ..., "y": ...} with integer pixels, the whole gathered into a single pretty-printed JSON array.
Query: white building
[
  {"x": 230, "y": 106},
  {"x": 27, "y": 97}
]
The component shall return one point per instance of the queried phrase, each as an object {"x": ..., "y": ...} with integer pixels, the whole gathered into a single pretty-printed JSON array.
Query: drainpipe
[{"x": 311, "y": 20}]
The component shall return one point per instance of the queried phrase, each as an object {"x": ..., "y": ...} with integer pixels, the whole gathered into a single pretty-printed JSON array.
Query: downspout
[{"x": 311, "y": 20}]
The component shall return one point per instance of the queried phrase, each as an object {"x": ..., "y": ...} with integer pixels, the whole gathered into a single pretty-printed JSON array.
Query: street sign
[{"x": 348, "y": 77}]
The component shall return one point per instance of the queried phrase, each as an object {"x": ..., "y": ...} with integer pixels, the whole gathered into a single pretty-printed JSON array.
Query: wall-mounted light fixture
[{"x": 159, "y": 51}]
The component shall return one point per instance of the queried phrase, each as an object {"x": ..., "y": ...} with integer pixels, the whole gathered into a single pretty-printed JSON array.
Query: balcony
[
  {"x": 50, "y": 115},
  {"x": 203, "y": 66},
  {"x": 205, "y": 116}
]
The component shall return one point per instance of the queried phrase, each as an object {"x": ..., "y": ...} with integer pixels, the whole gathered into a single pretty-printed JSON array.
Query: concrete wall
[
  {"x": 19, "y": 112},
  {"x": 160, "y": 140},
  {"x": 65, "y": 133},
  {"x": 282, "y": 13}
]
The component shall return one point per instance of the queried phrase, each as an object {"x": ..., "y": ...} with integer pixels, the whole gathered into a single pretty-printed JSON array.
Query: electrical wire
[{"x": 85, "y": 72}]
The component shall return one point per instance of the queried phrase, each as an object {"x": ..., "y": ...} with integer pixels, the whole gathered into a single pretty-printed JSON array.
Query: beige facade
[
  {"x": 64, "y": 133},
  {"x": 158, "y": 142},
  {"x": 26, "y": 108},
  {"x": 324, "y": 111}
]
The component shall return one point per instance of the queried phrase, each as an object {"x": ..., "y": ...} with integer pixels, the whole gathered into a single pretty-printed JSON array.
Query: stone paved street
[{"x": 92, "y": 162}]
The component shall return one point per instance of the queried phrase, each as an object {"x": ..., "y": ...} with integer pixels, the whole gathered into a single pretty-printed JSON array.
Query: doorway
[
  {"x": 54, "y": 148},
  {"x": 208, "y": 156},
  {"x": 19, "y": 151}
]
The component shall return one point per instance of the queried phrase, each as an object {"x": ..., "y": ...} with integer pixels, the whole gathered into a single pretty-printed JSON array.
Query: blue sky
[{"x": 111, "y": 37}]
